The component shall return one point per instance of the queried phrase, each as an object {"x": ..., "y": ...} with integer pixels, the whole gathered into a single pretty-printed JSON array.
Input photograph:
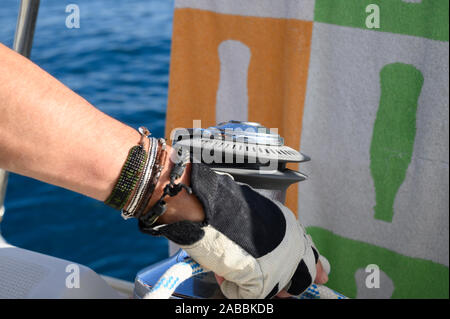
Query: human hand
[
  {"x": 321, "y": 278},
  {"x": 254, "y": 245}
]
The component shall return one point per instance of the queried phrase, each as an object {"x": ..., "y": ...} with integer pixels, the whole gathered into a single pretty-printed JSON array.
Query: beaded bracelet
[
  {"x": 146, "y": 179},
  {"x": 129, "y": 209},
  {"x": 131, "y": 171},
  {"x": 139, "y": 176}
]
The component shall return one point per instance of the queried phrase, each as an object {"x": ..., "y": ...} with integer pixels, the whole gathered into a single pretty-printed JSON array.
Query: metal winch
[{"x": 251, "y": 154}]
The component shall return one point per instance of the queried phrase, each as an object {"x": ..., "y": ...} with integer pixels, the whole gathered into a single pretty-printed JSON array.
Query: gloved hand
[{"x": 254, "y": 243}]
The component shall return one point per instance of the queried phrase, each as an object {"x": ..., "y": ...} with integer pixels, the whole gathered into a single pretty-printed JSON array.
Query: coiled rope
[{"x": 187, "y": 268}]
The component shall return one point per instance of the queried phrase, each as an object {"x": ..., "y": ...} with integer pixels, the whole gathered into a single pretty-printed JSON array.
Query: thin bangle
[{"x": 161, "y": 158}]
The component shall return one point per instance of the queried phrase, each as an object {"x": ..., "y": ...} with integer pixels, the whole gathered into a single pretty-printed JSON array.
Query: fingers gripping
[{"x": 305, "y": 273}]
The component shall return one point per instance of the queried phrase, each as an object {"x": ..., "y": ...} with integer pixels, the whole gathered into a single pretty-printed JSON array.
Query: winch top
[{"x": 236, "y": 142}]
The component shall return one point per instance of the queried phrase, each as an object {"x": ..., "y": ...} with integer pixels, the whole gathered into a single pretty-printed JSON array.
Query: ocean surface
[{"x": 118, "y": 60}]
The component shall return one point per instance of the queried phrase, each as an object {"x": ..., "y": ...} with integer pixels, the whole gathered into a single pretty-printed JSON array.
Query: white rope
[
  {"x": 181, "y": 271},
  {"x": 173, "y": 277},
  {"x": 316, "y": 291}
]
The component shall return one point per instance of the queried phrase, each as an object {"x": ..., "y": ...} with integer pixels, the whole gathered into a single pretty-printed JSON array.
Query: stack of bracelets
[{"x": 139, "y": 177}]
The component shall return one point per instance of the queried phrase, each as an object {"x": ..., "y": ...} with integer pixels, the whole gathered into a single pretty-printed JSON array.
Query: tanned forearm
[{"x": 50, "y": 133}]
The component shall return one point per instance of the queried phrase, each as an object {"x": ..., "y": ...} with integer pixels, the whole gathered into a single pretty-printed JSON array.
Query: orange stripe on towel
[{"x": 277, "y": 73}]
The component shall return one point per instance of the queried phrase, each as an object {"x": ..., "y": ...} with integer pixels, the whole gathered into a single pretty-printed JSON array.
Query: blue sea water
[{"x": 118, "y": 60}]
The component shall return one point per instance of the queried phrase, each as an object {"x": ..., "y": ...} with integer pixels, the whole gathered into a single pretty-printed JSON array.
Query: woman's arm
[{"x": 49, "y": 133}]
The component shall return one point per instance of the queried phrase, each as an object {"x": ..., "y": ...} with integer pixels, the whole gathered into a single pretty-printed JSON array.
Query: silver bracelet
[{"x": 130, "y": 210}]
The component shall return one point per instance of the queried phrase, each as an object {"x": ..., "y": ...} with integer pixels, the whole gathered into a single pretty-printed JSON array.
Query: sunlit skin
[{"x": 49, "y": 133}]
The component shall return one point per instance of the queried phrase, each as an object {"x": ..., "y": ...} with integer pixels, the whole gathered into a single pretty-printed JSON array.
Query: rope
[
  {"x": 173, "y": 277},
  {"x": 316, "y": 291},
  {"x": 187, "y": 268}
]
